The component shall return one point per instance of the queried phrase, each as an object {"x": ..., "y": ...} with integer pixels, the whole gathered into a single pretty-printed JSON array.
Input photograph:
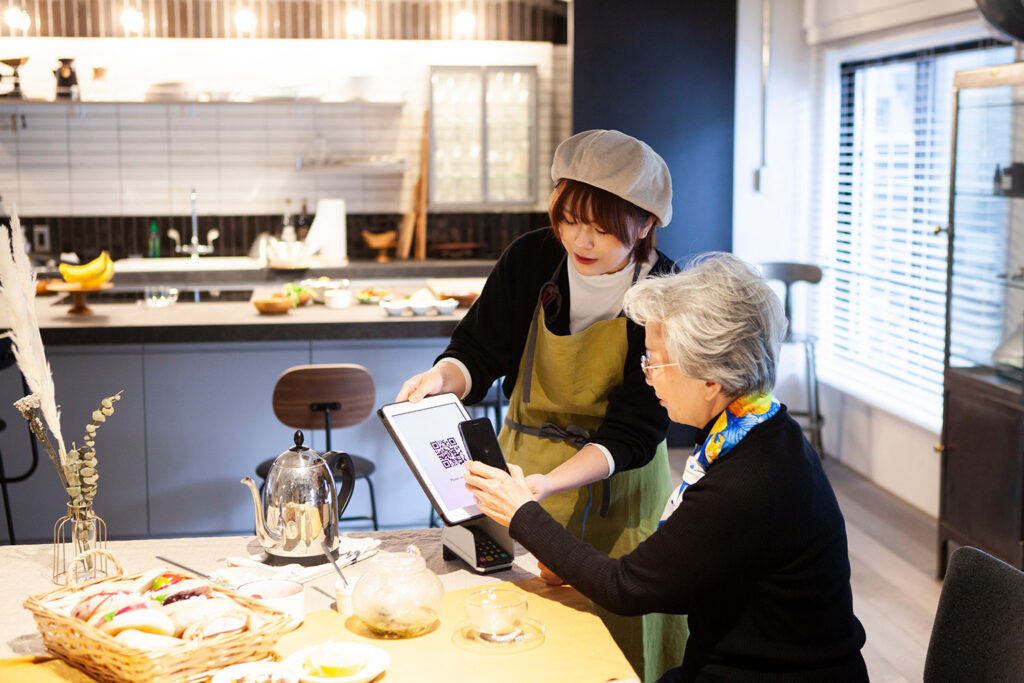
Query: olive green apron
[{"x": 560, "y": 398}]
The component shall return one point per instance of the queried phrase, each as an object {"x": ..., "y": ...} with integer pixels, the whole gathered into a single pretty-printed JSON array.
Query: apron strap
[
  {"x": 548, "y": 292},
  {"x": 636, "y": 276},
  {"x": 576, "y": 436}
]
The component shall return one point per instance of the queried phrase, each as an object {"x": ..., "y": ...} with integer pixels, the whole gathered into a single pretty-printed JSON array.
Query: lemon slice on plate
[{"x": 336, "y": 662}]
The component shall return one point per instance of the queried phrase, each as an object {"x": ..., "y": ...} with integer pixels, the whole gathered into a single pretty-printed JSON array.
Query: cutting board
[{"x": 467, "y": 285}]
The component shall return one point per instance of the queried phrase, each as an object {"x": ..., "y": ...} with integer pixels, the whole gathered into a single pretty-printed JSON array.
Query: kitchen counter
[{"x": 230, "y": 322}]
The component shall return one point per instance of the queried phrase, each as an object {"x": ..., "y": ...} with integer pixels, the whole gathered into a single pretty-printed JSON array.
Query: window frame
[{"x": 860, "y": 384}]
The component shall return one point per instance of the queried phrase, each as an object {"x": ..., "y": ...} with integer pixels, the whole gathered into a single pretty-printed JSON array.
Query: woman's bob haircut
[
  {"x": 579, "y": 202},
  {"x": 722, "y": 322}
]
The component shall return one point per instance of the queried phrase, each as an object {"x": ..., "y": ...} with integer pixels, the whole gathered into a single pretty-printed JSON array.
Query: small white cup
[
  {"x": 343, "y": 596},
  {"x": 283, "y": 595},
  {"x": 337, "y": 298},
  {"x": 497, "y": 613}
]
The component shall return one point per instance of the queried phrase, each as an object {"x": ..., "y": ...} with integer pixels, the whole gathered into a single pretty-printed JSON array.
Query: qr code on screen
[{"x": 448, "y": 452}]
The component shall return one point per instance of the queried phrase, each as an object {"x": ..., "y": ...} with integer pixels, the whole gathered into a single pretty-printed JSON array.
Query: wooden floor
[{"x": 892, "y": 558}]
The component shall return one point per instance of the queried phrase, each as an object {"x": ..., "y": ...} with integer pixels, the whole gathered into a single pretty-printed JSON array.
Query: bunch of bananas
[{"x": 89, "y": 275}]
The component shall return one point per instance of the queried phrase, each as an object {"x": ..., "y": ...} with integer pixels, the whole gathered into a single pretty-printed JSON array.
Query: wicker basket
[{"x": 106, "y": 659}]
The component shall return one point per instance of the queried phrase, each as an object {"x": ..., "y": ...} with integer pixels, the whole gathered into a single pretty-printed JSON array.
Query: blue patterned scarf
[{"x": 732, "y": 425}]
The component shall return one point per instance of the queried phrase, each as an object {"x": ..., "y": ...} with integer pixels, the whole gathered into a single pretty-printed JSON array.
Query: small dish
[
  {"x": 467, "y": 637},
  {"x": 371, "y": 295},
  {"x": 370, "y": 660},
  {"x": 337, "y": 298},
  {"x": 274, "y": 305},
  {"x": 419, "y": 307},
  {"x": 272, "y": 672},
  {"x": 446, "y": 306},
  {"x": 280, "y": 594},
  {"x": 395, "y": 308}
]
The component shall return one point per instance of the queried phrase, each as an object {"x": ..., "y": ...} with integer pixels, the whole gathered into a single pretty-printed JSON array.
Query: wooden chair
[
  {"x": 326, "y": 397},
  {"x": 978, "y": 629},
  {"x": 789, "y": 274}
]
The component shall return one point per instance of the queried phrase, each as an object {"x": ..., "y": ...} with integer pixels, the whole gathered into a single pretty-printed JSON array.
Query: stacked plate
[{"x": 172, "y": 91}]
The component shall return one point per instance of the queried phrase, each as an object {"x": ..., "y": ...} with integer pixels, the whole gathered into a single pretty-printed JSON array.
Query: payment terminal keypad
[{"x": 488, "y": 552}]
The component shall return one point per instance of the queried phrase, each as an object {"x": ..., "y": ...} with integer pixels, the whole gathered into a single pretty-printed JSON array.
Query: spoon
[{"x": 327, "y": 552}]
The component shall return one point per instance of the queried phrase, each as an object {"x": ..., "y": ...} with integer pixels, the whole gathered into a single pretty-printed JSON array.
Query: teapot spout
[{"x": 267, "y": 537}]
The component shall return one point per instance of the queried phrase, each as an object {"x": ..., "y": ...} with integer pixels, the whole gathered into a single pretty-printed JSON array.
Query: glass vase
[{"x": 79, "y": 531}]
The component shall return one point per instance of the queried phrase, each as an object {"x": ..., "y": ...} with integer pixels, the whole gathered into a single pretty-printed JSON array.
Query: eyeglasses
[{"x": 645, "y": 365}]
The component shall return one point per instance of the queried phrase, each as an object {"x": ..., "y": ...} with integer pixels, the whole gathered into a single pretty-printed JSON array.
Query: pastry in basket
[
  {"x": 118, "y": 612},
  {"x": 182, "y": 590},
  {"x": 145, "y": 641},
  {"x": 197, "y": 614}
]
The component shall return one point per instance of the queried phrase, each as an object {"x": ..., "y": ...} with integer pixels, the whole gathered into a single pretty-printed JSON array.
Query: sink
[{"x": 185, "y": 263}]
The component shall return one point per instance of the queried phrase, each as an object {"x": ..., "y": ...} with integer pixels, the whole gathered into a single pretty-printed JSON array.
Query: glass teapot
[
  {"x": 298, "y": 515},
  {"x": 398, "y": 596}
]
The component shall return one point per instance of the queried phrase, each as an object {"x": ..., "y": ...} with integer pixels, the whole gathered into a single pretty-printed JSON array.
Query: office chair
[
  {"x": 789, "y": 274},
  {"x": 978, "y": 633},
  {"x": 308, "y": 396}
]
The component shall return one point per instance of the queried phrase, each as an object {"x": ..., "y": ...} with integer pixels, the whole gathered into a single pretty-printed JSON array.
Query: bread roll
[
  {"x": 141, "y": 617},
  {"x": 145, "y": 641},
  {"x": 196, "y": 611}
]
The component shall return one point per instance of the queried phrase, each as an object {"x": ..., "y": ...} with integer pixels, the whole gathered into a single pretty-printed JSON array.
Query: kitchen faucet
[{"x": 194, "y": 248}]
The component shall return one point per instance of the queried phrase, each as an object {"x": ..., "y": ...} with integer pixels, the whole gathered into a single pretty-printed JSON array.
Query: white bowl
[
  {"x": 375, "y": 660},
  {"x": 419, "y": 308},
  {"x": 337, "y": 298},
  {"x": 446, "y": 306},
  {"x": 395, "y": 308},
  {"x": 283, "y": 595},
  {"x": 283, "y": 673}
]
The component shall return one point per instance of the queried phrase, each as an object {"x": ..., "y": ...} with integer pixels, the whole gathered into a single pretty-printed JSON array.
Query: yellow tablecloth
[{"x": 577, "y": 647}]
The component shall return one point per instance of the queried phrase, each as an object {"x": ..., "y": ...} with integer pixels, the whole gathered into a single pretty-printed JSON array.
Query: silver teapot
[{"x": 298, "y": 515}]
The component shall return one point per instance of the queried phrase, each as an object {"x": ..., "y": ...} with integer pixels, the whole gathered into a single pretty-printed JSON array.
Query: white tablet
[{"x": 427, "y": 434}]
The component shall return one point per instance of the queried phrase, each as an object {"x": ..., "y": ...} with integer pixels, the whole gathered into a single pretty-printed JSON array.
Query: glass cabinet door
[
  {"x": 483, "y": 141},
  {"x": 986, "y": 302}
]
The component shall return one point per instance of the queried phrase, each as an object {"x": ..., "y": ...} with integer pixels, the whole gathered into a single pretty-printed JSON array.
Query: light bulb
[
  {"x": 132, "y": 20},
  {"x": 463, "y": 24},
  {"x": 355, "y": 23},
  {"x": 245, "y": 20},
  {"x": 18, "y": 19}
]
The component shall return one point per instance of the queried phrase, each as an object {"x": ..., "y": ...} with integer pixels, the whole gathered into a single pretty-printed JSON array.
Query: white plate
[
  {"x": 233, "y": 673},
  {"x": 377, "y": 660}
]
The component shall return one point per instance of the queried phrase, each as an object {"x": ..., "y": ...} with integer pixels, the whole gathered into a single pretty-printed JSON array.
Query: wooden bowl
[{"x": 273, "y": 305}]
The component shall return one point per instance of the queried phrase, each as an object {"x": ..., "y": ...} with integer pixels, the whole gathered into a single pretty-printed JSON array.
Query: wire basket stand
[{"x": 84, "y": 530}]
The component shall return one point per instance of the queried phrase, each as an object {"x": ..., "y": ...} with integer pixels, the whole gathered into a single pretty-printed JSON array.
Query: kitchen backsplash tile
[{"x": 128, "y": 235}]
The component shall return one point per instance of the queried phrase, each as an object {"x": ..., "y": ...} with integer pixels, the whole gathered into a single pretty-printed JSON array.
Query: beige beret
[{"x": 620, "y": 164}]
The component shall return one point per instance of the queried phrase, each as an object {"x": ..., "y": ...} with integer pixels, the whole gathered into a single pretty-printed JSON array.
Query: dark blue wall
[{"x": 664, "y": 71}]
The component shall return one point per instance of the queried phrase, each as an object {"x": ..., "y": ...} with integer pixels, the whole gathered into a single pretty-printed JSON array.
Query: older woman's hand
[{"x": 499, "y": 494}]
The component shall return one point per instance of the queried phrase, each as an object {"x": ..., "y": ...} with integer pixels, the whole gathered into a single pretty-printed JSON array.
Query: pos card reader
[{"x": 481, "y": 543}]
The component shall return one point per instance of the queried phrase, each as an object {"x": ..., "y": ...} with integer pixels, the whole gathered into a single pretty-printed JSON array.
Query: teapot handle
[{"x": 340, "y": 463}]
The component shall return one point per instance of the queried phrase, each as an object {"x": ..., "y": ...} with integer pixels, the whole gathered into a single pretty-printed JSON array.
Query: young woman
[{"x": 549, "y": 320}]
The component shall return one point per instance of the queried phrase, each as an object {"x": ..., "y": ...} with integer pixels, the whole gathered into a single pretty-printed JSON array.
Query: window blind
[{"x": 882, "y": 313}]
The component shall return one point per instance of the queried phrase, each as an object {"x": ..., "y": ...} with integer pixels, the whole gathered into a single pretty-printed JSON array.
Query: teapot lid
[{"x": 298, "y": 455}]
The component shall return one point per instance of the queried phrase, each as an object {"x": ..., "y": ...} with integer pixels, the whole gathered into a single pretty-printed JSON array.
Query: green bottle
[{"x": 154, "y": 241}]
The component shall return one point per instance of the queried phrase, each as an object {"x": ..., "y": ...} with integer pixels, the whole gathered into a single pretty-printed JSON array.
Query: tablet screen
[{"x": 428, "y": 434}]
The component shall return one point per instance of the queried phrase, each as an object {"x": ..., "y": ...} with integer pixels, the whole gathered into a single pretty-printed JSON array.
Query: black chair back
[{"x": 978, "y": 634}]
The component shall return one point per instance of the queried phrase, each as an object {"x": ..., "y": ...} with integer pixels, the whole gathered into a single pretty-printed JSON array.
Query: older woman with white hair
[{"x": 752, "y": 544}]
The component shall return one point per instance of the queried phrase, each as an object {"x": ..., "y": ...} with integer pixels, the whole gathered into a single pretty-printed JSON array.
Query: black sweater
[
  {"x": 755, "y": 554},
  {"x": 490, "y": 340}
]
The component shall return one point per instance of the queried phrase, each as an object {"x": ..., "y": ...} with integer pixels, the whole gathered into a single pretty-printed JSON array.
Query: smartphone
[{"x": 482, "y": 442}]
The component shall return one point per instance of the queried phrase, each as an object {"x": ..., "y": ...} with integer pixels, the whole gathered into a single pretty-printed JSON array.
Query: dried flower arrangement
[{"x": 77, "y": 467}]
